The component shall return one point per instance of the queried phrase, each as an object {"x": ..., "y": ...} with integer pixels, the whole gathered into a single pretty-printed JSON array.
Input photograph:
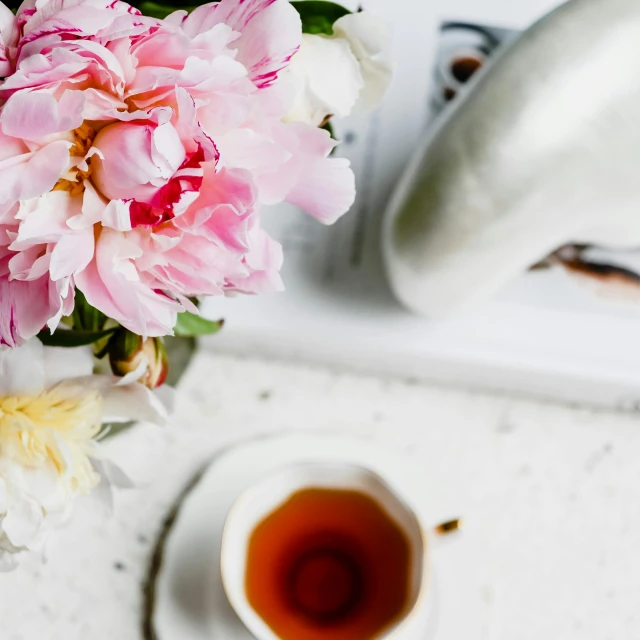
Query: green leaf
[
  {"x": 190, "y": 325},
  {"x": 72, "y": 338},
  {"x": 124, "y": 346},
  {"x": 85, "y": 317},
  {"x": 161, "y": 9},
  {"x": 327, "y": 126},
  {"x": 318, "y": 16}
]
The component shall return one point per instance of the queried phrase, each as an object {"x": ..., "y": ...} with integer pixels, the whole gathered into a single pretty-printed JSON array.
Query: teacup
[{"x": 326, "y": 550}]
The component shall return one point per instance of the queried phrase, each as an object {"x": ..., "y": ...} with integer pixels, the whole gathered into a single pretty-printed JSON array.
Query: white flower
[
  {"x": 339, "y": 74},
  {"x": 51, "y": 411}
]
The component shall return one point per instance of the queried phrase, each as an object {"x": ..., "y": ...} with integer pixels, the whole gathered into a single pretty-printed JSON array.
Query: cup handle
[{"x": 449, "y": 527}]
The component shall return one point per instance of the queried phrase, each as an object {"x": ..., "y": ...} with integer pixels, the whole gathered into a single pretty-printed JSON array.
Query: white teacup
[{"x": 263, "y": 499}]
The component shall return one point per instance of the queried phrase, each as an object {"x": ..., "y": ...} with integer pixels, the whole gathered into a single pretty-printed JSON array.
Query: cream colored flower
[
  {"x": 54, "y": 427},
  {"x": 51, "y": 412},
  {"x": 339, "y": 74}
]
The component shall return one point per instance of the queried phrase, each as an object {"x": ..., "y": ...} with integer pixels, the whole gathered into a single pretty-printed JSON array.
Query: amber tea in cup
[
  {"x": 328, "y": 564},
  {"x": 325, "y": 551}
]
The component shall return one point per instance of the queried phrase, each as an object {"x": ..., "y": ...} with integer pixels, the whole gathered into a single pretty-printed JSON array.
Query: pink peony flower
[{"x": 136, "y": 155}]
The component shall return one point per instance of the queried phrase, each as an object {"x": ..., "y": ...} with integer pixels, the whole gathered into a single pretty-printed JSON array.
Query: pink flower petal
[
  {"x": 167, "y": 151},
  {"x": 323, "y": 186},
  {"x": 130, "y": 165},
  {"x": 221, "y": 213},
  {"x": 117, "y": 215},
  {"x": 72, "y": 254},
  {"x": 271, "y": 33},
  {"x": 34, "y": 115},
  {"x": 264, "y": 261},
  {"x": 26, "y": 307},
  {"x": 81, "y": 18},
  {"x": 263, "y": 157},
  {"x": 32, "y": 174},
  {"x": 112, "y": 284},
  {"x": 44, "y": 219},
  {"x": 30, "y": 264},
  {"x": 93, "y": 210},
  {"x": 8, "y": 39},
  {"x": 194, "y": 266},
  {"x": 11, "y": 147},
  {"x": 326, "y": 189}
]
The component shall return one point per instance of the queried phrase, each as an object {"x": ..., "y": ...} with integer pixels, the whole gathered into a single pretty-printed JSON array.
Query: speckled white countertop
[{"x": 550, "y": 495}]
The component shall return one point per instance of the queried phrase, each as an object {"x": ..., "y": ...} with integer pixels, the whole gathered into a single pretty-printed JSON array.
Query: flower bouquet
[{"x": 138, "y": 148}]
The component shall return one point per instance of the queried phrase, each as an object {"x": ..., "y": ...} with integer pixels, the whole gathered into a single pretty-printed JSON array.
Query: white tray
[{"x": 544, "y": 335}]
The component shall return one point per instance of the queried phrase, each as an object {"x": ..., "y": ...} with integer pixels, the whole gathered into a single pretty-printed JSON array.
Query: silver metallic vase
[{"x": 542, "y": 150}]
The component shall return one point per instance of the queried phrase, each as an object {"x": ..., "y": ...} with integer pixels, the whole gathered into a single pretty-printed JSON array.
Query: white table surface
[{"x": 550, "y": 494}]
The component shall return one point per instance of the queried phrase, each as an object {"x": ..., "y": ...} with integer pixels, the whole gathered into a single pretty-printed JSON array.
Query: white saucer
[{"x": 190, "y": 603}]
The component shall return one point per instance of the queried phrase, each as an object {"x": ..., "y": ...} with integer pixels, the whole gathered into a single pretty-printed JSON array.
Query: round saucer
[{"x": 189, "y": 600}]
